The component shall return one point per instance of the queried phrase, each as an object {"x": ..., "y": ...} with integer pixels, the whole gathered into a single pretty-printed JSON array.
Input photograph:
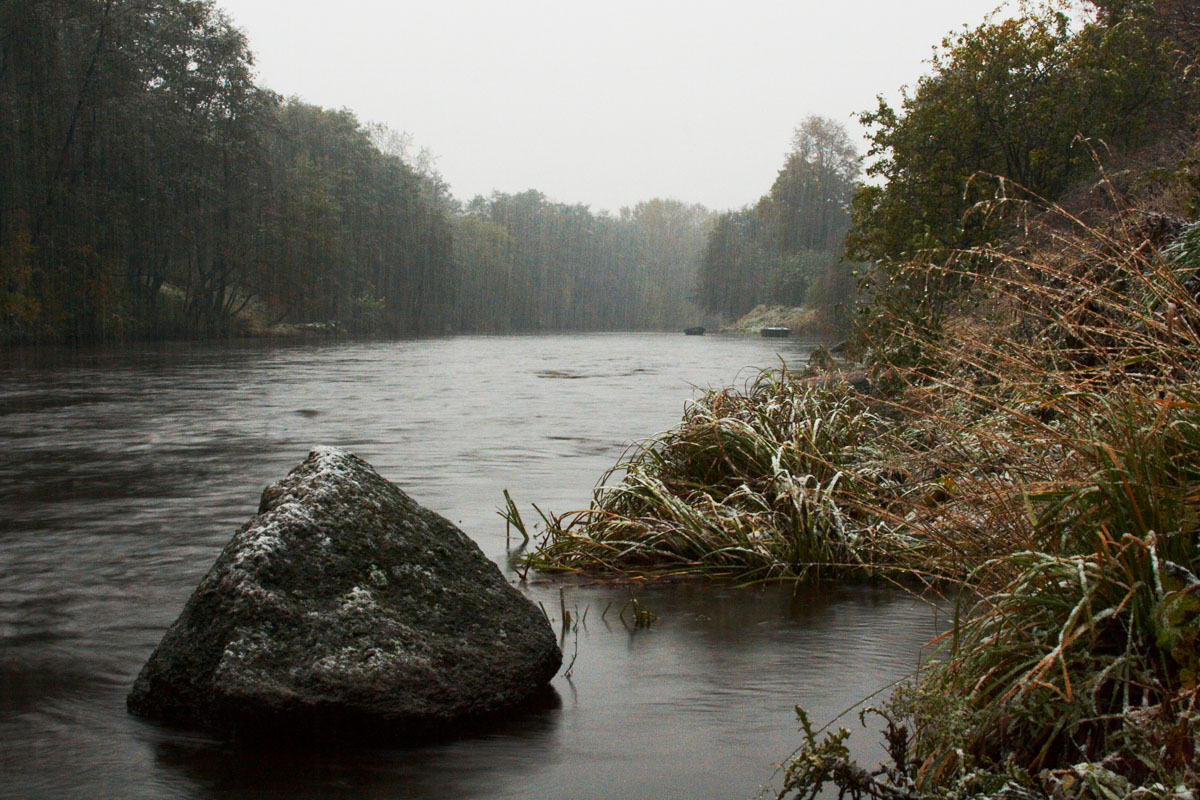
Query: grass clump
[{"x": 753, "y": 484}]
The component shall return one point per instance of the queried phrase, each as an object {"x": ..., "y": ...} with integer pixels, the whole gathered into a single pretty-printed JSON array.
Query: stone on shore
[{"x": 344, "y": 606}]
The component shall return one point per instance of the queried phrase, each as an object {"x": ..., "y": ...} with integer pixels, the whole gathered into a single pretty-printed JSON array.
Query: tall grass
[
  {"x": 755, "y": 484},
  {"x": 1037, "y": 443},
  {"x": 1075, "y": 672}
]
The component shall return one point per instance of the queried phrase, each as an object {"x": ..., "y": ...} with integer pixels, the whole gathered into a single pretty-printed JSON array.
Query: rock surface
[
  {"x": 798, "y": 320},
  {"x": 346, "y": 606}
]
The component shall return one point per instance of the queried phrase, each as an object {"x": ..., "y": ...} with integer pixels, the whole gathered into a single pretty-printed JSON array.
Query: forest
[{"x": 153, "y": 190}]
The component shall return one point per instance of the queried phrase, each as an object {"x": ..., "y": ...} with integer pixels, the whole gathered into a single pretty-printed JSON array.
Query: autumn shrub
[{"x": 1071, "y": 669}]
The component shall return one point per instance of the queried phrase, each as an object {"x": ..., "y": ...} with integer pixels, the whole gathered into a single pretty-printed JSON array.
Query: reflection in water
[
  {"x": 125, "y": 472},
  {"x": 463, "y": 768}
]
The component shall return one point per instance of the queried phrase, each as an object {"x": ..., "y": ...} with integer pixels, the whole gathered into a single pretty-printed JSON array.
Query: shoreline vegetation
[
  {"x": 153, "y": 190},
  {"x": 1042, "y": 456},
  {"x": 1020, "y": 431},
  {"x": 800, "y": 320}
]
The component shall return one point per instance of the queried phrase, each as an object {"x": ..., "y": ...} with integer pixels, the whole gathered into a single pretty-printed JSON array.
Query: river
[{"x": 125, "y": 471}]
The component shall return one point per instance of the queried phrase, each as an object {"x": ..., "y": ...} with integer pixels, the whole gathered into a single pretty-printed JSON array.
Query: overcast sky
[{"x": 605, "y": 102}]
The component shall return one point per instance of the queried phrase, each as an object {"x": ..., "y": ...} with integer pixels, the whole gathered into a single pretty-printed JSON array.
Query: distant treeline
[
  {"x": 788, "y": 248},
  {"x": 526, "y": 263},
  {"x": 151, "y": 189}
]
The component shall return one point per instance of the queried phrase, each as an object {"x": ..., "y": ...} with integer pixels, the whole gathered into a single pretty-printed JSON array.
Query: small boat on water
[
  {"x": 695, "y": 330},
  {"x": 776, "y": 332}
]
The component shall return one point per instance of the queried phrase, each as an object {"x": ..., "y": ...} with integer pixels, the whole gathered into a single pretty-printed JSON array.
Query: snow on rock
[{"x": 346, "y": 606}]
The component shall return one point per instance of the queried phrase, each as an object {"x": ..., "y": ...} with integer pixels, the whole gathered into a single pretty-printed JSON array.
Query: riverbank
[
  {"x": 800, "y": 320},
  {"x": 1039, "y": 445},
  {"x": 252, "y": 329}
]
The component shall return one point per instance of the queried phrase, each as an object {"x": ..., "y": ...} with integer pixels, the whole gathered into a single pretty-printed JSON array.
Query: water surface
[{"x": 124, "y": 472}]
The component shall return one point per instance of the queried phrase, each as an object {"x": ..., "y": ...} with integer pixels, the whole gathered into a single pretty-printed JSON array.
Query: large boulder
[{"x": 346, "y": 606}]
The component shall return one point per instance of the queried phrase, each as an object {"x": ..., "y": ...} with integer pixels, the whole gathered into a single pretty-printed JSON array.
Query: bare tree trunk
[{"x": 68, "y": 140}]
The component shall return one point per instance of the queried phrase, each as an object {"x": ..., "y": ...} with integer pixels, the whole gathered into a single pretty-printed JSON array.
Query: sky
[{"x": 601, "y": 103}]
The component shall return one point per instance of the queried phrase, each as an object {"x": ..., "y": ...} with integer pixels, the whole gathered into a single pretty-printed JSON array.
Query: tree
[
  {"x": 807, "y": 204},
  {"x": 151, "y": 188},
  {"x": 357, "y": 234},
  {"x": 788, "y": 249},
  {"x": 124, "y": 124},
  {"x": 1009, "y": 99},
  {"x": 528, "y": 263},
  {"x": 736, "y": 267},
  {"x": 665, "y": 238}
]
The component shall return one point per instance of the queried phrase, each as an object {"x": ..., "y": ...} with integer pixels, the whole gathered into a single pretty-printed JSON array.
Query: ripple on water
[{"x": 127, "y": 471}]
